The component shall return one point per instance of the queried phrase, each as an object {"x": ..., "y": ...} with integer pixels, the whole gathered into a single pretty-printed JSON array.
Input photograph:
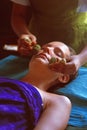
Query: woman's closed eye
[{"x": 58, "y": 52}]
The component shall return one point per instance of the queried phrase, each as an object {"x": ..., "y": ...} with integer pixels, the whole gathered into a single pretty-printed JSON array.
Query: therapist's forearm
[
  {"x": 19, "y": 26},
  {"x": 83, "y": 56}
]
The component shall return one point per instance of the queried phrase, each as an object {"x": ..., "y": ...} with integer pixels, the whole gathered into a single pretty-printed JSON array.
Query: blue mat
[
  {"x": 77, "y": 93},
  {"x": 14, "y": 67}
]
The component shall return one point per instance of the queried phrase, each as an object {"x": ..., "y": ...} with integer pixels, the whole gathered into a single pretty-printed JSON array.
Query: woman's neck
[{"x": 37, "y": 82}]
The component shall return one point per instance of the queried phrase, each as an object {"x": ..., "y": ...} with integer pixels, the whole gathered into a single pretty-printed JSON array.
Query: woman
[
  {"x": 26, "y": 104},
  {"x": 49, "y": 21}
]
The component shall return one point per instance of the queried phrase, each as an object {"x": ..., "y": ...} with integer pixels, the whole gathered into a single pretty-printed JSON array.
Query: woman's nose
[{"x": 48, "y": 49}]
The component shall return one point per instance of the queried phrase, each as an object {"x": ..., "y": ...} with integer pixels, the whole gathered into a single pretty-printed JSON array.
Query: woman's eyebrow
[{"x": 46, "y": 45}]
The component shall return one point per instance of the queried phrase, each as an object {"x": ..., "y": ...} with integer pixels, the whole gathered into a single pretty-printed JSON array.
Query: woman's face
[{"x": 40, "y": 61}]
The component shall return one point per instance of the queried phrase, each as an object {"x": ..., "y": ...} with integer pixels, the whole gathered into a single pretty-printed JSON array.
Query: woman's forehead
[
  {"x": 61, "y": 46},
  {"x": 56, "y": 44}
]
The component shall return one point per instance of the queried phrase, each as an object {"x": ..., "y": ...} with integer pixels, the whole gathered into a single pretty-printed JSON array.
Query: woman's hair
[{"x": 72, "y": 52}]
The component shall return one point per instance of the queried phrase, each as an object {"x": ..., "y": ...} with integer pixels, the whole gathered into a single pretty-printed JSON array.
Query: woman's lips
[{"x": 43, "y": 56}]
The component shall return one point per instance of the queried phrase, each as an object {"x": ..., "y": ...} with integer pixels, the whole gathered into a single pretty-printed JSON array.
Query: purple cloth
[{"x": 20, "y": 105}]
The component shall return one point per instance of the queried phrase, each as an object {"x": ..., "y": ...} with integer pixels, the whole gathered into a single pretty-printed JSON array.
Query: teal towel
[
  {"x": 14, "y": 67},
  {"x": 77, "y": 93}
]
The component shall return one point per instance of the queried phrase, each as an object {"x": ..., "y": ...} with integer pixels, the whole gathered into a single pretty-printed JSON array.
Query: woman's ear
[{"x": 64, "y": 78}]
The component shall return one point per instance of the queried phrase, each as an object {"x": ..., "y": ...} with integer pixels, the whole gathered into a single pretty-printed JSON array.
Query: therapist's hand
[
  {"x": 70, "y": 67},
  {"x": 26, "y": 43}
]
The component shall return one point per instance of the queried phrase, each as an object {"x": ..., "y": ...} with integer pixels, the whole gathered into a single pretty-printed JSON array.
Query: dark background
[{"x": 7, "y": 35}]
